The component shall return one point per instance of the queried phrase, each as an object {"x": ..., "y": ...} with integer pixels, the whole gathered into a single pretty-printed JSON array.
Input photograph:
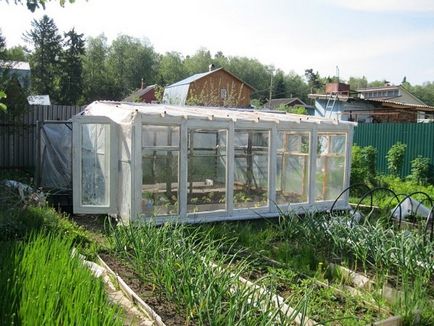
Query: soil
[{"x": 165, "y": 309}]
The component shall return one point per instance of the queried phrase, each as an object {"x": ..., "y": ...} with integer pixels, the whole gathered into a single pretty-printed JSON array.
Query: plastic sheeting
[
  {"x": 411, "y": 207},
  {"x": 56, "y": 159}
]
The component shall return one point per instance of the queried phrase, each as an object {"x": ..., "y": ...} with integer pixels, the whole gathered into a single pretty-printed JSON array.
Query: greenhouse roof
[{"x": 121, "y": 112}]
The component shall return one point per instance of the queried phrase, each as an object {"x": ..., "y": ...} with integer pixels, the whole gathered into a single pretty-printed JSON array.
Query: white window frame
[{"x": 111, "y": 149}]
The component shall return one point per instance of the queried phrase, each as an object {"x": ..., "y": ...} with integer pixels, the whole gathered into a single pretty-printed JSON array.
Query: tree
[
  {"x": 32, "y": 5},
  {"x": 71, "y": 82},
  {"x": 199, "y": 62},
  {"x": 358, "y": 83},
  {"x": 296, "y": 86},
  {"x": 171, "y": 68},
  {"x": 98, "y": 84},
  {"x": 279, "y": 85},
  {"x": 2, "y": 46},
  {"x": 129, "y": 62},
  {"x": 314, "y": 80},
  {"x": 44, "y": 60}
]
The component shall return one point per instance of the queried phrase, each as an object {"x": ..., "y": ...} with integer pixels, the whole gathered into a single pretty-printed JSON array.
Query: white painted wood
[
  {"x": 313, "y": 157},
  {"x": 111, "y": 150},
  {"x": 183, "y": 165},
  {"x": 272, "y": 167},
  {"x": 230, "y": 170}
]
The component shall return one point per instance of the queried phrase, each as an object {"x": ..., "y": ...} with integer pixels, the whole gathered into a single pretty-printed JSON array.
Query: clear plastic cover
[
  {"x": 330, "y": 166},
  {"x": 95, "y": 164},
  {"x": 292, "y": 174},
  {"x": 207, "y": 152},
  {"x": 251, "y": 168}
]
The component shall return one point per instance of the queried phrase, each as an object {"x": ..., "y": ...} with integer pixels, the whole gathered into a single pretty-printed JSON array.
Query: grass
[{"x": 41, "y": 284}]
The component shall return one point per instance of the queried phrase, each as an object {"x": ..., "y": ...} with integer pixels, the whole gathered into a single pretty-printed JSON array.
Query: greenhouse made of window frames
[{"x": 198, "y": 164}]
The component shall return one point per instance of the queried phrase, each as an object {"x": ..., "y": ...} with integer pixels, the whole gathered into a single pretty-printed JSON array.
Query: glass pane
[
  {"x": 330, "y": 166},
  {"x": 160, "y": 136},
  {"x": 95, "y": 177},
  {"x": 251, "y": 168},
  {"x": 292, "y": 175},
  {"x": 160, "y": 182},
  {"x": 207, "y": 154}
]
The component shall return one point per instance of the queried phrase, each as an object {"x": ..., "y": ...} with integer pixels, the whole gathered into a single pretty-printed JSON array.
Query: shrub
[
  {"x": 395, "y": 158},
  {"x": 363, "y": 164},
  {"x": 420, "y": 170}
]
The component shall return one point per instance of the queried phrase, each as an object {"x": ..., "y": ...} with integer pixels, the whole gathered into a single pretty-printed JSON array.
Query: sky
[{"x": 379, "y": 39}]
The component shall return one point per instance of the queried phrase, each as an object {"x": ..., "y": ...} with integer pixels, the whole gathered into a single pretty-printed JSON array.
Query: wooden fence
[{"x": 18, "y": 135}]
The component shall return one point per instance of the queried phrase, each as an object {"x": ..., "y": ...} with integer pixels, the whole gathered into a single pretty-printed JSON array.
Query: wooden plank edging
[{"x": 131, "y": 294}]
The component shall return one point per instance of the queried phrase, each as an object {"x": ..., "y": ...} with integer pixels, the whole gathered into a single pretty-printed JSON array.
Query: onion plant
[{"x": 187, "y": 266}]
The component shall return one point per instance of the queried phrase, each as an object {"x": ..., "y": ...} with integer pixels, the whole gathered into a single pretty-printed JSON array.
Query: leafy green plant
[
  {"x": 395, "y": 158},
  {"x": 420, "y": 170},
  {"x": 363, "y": 164}
]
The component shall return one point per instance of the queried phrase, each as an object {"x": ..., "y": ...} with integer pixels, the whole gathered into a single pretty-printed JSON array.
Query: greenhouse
[{"x": 197, "y": 164}]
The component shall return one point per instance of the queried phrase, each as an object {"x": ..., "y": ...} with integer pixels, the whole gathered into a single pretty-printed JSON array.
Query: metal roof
[
  {"x": 191, "y": 79},
  {"x": 138, "y": 93}
]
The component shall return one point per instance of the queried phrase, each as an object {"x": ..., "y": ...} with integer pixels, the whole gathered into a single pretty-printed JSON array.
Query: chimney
[
  {"x": 211, "y": 67},
  {"x": 141, "y": 85}
]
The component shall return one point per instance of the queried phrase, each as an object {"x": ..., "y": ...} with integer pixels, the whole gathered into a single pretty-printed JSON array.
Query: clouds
[{"x": 422, "y": 6}]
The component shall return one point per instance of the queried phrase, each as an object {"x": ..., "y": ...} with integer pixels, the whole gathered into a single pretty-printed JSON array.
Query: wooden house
[{"x": 216, "y": 87}]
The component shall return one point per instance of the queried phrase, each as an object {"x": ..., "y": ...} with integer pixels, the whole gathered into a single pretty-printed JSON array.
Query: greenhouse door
[{"x": 94, "y": 171}]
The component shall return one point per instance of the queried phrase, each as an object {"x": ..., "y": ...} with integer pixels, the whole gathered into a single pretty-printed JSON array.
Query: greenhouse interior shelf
[{"x": 198, "y": 164}]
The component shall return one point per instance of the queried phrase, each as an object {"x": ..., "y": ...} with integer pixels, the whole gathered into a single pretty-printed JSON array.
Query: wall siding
[
  {"x": 18, "y": 137},
  {"x": 419, "y": 138}
]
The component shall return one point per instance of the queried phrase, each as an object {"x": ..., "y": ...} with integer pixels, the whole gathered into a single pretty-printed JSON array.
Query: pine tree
[
  {"x": 45, "y": 58},
  {"x": 71, "y": 82}
]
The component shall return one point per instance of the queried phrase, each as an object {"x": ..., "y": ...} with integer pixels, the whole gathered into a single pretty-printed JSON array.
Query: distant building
[
  {"x": 371, "y": 105},
  {"x": 143, "y": 95},
  {"x": 396, "y": 93},
  {"x": 18, "y": 69},
  {"x": 216, "y": 87}
]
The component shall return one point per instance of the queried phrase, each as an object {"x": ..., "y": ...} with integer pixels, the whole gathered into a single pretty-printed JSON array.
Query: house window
[{"x": 223, "y": 93}]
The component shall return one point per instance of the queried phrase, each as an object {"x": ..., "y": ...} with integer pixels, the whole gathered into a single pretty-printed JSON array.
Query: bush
[
  {"x": 395, "y": 158},
  {"x": 363, "y": 166},
  {"x": 420, "y": 170}
]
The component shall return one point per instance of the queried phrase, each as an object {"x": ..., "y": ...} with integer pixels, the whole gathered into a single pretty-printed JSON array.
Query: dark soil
[{"x": 165, "y": 309}]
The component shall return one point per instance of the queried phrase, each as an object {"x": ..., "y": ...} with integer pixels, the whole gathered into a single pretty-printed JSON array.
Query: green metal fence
[{"x": 419, "y": 138}]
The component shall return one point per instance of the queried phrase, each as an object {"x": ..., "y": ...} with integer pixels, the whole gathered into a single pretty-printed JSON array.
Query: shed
[{"x": 193, "y": 164}]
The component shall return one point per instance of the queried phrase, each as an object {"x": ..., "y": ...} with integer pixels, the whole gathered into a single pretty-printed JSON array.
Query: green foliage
[
  {"x": 129, "y": 60},
  {"x": 314, "y": 80},
  {"x": 171, "y": 68},
  {"x": 3, "y": 106},
  {"x": 363, "y": 162},
  {"x": 357, "y": 83},
  {"x": 420, "y": 170},
  {"x": 42, "y": 284},
  {"x": 293, "y": 109},
  {"x": 71, "y": 81},
  {"x": 32, "y": 5},
  {"x": 395, "y": 158},
  {"x": 45, "y": 58}
]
